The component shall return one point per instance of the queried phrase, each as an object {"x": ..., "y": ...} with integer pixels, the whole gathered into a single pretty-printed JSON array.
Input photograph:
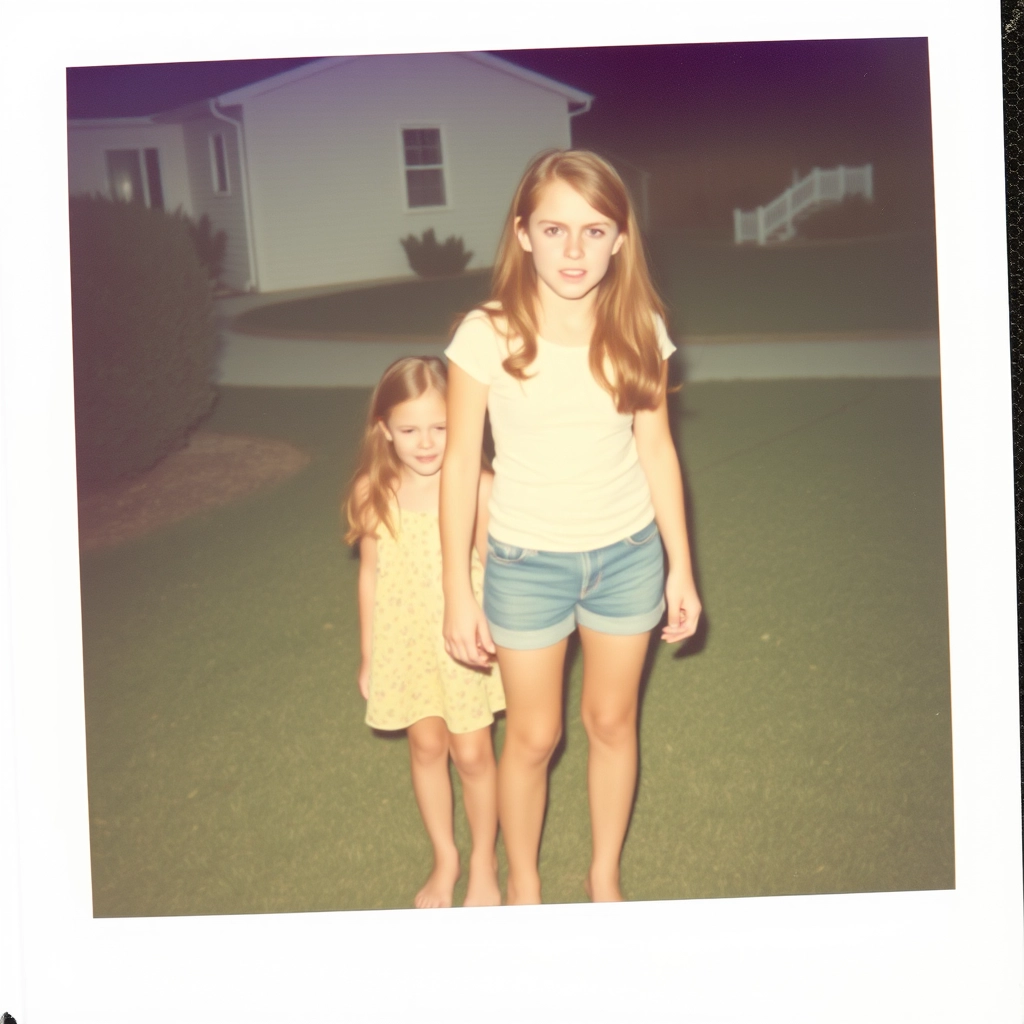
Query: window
[
  {"x": 156, "y": 190},
  {"x": 424, "y": 167},
  {"x": 128, "y": 183},
  {"x": 219, "y": 165}
]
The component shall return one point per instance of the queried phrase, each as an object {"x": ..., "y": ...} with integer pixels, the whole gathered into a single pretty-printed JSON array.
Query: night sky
[{"x": 648, "y": 99}]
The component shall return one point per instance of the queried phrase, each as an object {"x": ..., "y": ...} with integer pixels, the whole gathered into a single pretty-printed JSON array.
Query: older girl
[{"x": 569, "y": 358}]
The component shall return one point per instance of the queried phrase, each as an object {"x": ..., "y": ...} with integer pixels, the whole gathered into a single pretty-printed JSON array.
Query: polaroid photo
[{"x": 92, "y": 933}]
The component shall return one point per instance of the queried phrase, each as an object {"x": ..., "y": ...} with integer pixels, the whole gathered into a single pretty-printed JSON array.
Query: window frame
[
  {"x": 443, "y": 166},
  {"x": 214, "y": 170},
  {"x": 148, "y": 167},
  {"x": 142, "y": 157}
]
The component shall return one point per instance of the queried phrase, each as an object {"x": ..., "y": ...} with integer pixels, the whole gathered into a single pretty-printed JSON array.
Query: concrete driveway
[{"x": 255, "y": 361}]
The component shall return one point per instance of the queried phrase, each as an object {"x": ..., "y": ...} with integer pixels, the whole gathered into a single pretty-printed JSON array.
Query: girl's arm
[
  {"x": 661, "y": 467},
  {"x": 466, "y": 636},
  {"x": 482, "y": 514},
  {"x": 367, "y": 589}
]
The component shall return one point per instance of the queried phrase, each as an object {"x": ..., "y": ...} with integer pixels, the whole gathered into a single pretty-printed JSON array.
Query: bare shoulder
[{"x": 368, "y": 549}]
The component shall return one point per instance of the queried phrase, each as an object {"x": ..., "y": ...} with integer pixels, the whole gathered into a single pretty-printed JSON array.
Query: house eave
[
  {"x": 110, "y": 122},
  {"x": 577, "y": 97},
  {"x": 264, "y": 85},
  {"x": 574, "y": 96}
]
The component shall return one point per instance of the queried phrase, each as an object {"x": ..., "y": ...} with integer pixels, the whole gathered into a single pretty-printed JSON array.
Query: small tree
[
  {"x": 143, "y": 335},
  {"x": 430, "y": 258}
]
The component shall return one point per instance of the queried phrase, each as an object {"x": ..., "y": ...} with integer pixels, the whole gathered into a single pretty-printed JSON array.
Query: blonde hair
[
  {"x": 373, "y": 485},
  {"x": 625, "y": 337}
]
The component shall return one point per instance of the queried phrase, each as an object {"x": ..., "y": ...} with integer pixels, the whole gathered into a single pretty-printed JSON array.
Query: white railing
[{"x": 819, "y": 187}]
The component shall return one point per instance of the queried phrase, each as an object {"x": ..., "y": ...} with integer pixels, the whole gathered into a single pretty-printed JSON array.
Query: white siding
[
  {"x": 227, "y": 211},
  {"x": 326, "y": 168},
  {"x": 87, "y": 162}
]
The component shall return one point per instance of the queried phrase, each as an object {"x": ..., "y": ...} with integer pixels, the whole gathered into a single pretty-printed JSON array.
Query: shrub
[
  {"x": 430, "y": 258},
  {"x": 211, "y": 247},
  {"x": 143, "y": 334}
]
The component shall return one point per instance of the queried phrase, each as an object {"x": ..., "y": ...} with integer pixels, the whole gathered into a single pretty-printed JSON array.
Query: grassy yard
[
  {"x": 418, "y": 307},
  {"x": 871, "y": 284},
  {"x": 885, "y": 283},
  {"x": 801, "y": 746}
]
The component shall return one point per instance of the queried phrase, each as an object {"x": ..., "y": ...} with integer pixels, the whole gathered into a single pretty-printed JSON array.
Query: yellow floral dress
[{"x": 411, "y": 674}]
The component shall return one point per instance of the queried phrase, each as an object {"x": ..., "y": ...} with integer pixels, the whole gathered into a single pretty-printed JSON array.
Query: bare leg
[
  {"x": 611, "y": 683},
  {"x": 428, "y": 758},
  {"x": 473, "y": 754},
  {"x": 533, "y": 726}
]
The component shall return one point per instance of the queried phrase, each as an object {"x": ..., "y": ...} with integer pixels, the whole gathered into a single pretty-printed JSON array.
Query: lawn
[
  {"x": 417, "y": 307},
  {"x": 869, "y": 284},
  {"x": 801, "y": 746}
]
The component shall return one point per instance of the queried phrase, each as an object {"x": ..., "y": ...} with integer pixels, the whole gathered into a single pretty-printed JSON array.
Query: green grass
[
  {"x": 714, "y": 288},
  {"x": 801, "y": 746},
  {"x": 423, "y": 307},
  {"x": 869, "y": 284}
]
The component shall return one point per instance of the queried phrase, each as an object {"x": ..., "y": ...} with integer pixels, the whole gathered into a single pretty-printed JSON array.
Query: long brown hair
[
  {"x": 370, "y": 504},
  {"x": 625, "y": 337}
]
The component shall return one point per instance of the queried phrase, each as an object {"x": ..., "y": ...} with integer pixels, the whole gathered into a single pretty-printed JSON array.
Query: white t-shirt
[{"x": 566, "y": 472}]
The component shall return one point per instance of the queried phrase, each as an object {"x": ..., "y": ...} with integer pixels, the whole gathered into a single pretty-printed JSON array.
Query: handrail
[{"x": 818, "y": 188}]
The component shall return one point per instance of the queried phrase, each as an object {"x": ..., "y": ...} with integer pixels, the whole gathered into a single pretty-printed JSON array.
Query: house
[{"x": 317, "y": 173}]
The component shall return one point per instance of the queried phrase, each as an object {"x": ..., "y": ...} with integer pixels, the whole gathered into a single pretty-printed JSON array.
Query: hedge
[{"x": 145, "y": 341}]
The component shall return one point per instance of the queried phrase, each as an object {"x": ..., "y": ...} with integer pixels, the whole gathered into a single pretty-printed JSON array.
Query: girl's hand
[
  {"x": 364, "y": 679},
  {"x": 683, "y": 607},
  {"x": 466, "y": 636}
]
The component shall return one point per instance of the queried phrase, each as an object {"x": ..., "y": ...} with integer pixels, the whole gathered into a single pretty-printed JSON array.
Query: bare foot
[
  {"x": 438, "y": 888},
  {"x": 527, "y": 892},
  {"x": 483, "y": 890},
  {"x": 604, "y": 890}
]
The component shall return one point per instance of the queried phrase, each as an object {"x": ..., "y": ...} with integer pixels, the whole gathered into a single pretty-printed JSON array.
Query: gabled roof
[
  {"x": 111, "y": 122},
  {"x": 246, "y": 92}
]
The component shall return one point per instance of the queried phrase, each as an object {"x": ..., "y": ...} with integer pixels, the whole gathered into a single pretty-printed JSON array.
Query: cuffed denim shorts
[{"x": 532, "y": 599}]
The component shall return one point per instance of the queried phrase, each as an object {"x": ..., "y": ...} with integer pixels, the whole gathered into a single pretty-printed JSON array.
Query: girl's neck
[
  {"x": 565, "y": 321},
  {"x": 417, "y": 493}
]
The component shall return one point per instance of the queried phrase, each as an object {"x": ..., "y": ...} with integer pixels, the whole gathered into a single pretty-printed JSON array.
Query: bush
[
  {"x": 211, "y": 247},
  {"x": 430, "y": 258},
  {"x": 143, "y": 334}
]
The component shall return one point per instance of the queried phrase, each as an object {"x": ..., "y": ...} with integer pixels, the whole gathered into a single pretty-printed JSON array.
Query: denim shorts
[{"x": 533, "y": 599}]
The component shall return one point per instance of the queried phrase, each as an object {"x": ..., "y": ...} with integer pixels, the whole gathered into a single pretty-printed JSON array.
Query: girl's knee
[
  {"x": 611, "y": 728},
  {"x": 473, "y": 755},
  {"x": 534, "y": 745},
  {"x": 428, "y": 744}
]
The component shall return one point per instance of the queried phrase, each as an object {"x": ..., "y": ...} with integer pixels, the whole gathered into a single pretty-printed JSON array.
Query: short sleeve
[
  {"x": 474, "y": 347},
  {"x": 665, "y": 346}
]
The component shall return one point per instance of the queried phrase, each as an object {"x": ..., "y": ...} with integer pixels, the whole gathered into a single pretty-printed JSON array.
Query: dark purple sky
[{"x": 648, "y": 98}]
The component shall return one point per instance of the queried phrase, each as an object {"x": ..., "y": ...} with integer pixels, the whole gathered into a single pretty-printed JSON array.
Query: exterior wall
[
  {"x": 87, "y": 162},
  {"x": 226, "y": 211},
  {"x": 326, "y": 168}
]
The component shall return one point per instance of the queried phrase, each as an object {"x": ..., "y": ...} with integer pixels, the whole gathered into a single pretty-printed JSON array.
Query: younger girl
[
  {"x": 407, "y": 678},
  {"x": 568, "y": 357}
]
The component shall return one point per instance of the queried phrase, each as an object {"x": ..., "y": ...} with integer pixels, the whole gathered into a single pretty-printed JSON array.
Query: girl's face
[
  {"x": 416, "y": 429},
  {"x": 571, "y": 242}
]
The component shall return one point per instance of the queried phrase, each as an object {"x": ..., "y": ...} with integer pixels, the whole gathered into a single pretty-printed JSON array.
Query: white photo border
[{"x": 930, "y": 956}]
